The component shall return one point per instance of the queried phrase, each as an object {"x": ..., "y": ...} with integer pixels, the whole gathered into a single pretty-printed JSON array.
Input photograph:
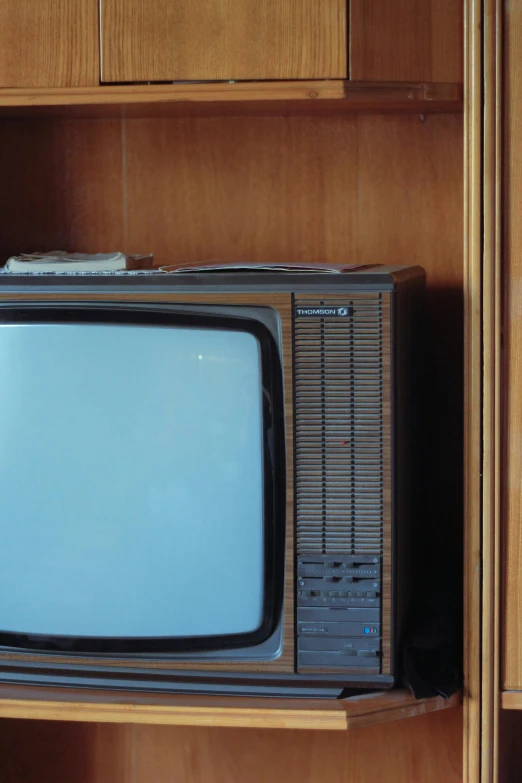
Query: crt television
[{"x": 206, "y": 479}]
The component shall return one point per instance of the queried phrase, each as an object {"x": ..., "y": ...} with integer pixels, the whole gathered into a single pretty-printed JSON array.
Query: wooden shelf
[
  {"x": 218, "y": 98},
  {"x": 338, "y": 715}
]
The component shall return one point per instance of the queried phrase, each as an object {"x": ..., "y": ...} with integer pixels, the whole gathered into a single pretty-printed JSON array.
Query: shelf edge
[
  {"x": 272, "y": 97},
  {"x": 46, "y": 704}
]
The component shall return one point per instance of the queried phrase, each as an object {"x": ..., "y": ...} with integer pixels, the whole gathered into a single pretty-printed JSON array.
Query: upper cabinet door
[
  {"x": 176, "y": 40},
  {"x": 49, "y": 43},
  {"x": 406, "y": 40}
]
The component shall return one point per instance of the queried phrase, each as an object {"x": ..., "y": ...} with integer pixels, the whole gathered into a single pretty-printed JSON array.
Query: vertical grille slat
[{"x": 342, "y": 429}]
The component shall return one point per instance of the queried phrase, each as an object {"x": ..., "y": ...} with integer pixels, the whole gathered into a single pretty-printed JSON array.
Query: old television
[{"x": 206, "y": 479}]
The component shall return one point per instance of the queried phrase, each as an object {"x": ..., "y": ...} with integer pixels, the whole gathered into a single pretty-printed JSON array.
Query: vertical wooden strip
[
  {"x": 492, "y": 305},
  {"x": 473, "y": 391},
  {"x": 512, "y": 376}
]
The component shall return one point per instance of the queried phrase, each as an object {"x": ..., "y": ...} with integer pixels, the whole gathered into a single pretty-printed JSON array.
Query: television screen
[{"x": 133, "y": 481}]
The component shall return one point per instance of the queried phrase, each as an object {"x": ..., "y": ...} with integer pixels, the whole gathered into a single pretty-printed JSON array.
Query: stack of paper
[{"x": 60, "y": 262}]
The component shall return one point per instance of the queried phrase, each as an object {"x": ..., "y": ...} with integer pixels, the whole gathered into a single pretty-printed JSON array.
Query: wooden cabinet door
[
  {"x": 406, "y": 40},
  {"x": 49, "y": 43},
  {"x": 176, "y": 40}
]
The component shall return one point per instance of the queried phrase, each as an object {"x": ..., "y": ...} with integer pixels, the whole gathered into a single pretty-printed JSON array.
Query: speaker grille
[{"x": 342, "y": 426}]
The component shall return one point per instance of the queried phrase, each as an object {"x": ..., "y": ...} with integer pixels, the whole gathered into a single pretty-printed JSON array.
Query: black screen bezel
[{"x": 190, "y": 316}]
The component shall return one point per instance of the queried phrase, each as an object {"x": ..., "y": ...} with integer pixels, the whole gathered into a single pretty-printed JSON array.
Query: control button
[
  {"x": 306, "y": 593},
  {"x": 371, "y": 594},
  {"x": 359, "y": 594},
  {"x": 352, "y": 594},
  {"x": 343, "y": 594},
  {"x": 370, "y": 630},
  {"x": 316, "y": 593},
  {"x": 367, "y": 653},
  {"x": 329, "y": 578},
  {"x": 333, "y": 593}
]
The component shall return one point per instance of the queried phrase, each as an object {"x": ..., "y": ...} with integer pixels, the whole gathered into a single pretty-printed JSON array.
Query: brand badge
[{"x": 324, "y": 312}]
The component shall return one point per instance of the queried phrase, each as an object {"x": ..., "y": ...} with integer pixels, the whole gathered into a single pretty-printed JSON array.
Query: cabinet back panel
[
  {"x": 406, "y": 40},
  {"x": 362, "y": 189},
  {"x": 427, "y": 749}
]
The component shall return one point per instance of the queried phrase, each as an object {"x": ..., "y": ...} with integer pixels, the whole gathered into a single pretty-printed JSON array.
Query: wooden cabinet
[
  {"x": 173, "y": 40},
  {"x": 56, "y": 43},
  {"x": 49, "y": 43},
  {"x": 406, "y": 40}
]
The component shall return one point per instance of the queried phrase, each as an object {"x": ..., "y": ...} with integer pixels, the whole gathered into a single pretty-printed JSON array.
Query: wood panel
[
  {"x": 473, "y": 444},
  {"x": 404, "y": 40},
  {"x": 234, "y": 189},
  {"x": 90, "y": 706},
  {"x": 47, "y": 752},
  {"x": 509, "y": 750},
  {"x": 492, "y": 358},
  {"x": 512, "y": 273},
  {"x": 49, "y": 43},
  {"x": 425, "y": 750},
  {"x": 344, "y": 189},
  {"x": 209, "y": 40},
  {"x": 69, "y": 180}
]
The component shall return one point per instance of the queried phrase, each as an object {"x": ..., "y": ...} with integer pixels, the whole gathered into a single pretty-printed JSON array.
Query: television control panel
[{"x": 339, "y": 612}]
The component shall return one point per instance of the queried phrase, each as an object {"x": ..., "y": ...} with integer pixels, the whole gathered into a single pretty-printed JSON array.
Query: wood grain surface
[
  {"x": 425, "y": 750},
  {"x": 509, "y": 752},
  {"x": 403, "y": 40},
  {"x": 49, "y": 43},
  {"x": 190, "y": 710},
  {"x": 473, "y": 234},
  {"x": 227, "y": 39},
  {"x": 492, "y": 358},
  {"x": 512, "y": 470},
  {"x": 333, "y": 96},
  {"x": 358, "y": 189}
]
